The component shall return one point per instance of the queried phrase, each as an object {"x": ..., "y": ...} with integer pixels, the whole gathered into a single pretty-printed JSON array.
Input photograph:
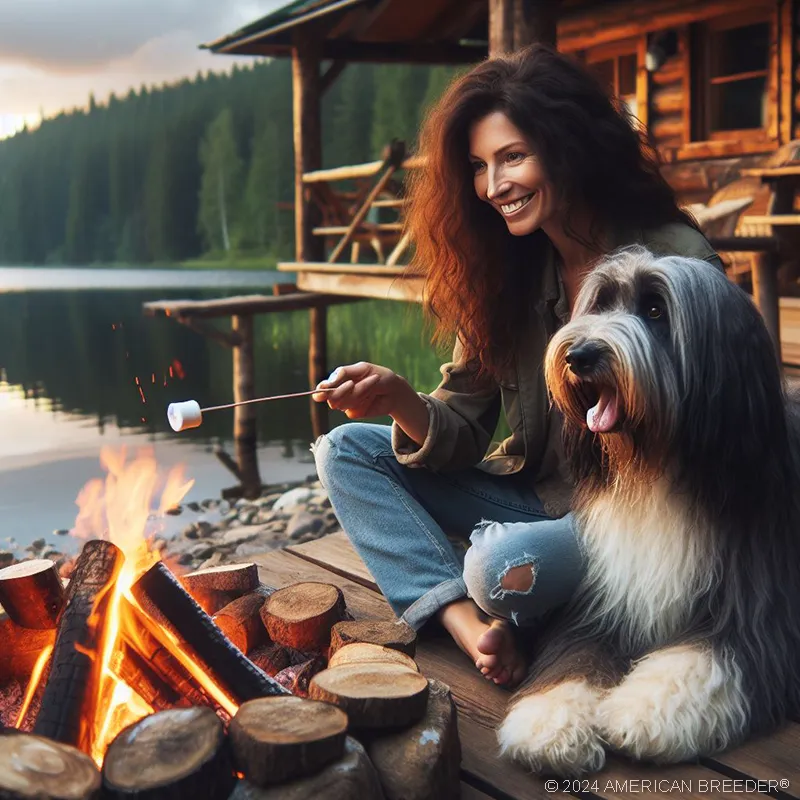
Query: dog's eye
[{"x": 654, "y": 311}]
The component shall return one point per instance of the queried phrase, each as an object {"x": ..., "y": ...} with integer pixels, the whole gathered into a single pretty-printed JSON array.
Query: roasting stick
[{"x": 188, "y": 414}]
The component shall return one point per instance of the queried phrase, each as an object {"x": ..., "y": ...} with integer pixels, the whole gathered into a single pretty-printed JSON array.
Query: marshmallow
[{"x": 185, "y": 415}]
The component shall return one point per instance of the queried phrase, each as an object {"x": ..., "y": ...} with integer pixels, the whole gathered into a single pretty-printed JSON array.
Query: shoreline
[{"x": 221, "y": 531}]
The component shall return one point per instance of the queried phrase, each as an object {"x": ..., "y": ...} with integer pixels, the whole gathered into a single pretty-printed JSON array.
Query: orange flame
[
  {"x": 119, "y": 508},
  {"x": 33, "y": 683}
]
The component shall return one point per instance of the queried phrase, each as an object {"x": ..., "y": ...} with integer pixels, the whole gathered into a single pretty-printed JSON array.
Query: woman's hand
[
  {"x": 367, "y": 390},
  {"x": 363, "y": 390}
]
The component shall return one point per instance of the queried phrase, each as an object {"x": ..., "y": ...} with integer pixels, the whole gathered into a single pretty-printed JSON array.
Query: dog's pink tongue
[{"x": 603, "y": 417}]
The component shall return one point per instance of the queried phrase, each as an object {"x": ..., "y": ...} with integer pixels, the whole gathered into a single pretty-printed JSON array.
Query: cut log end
[
  {"x": 302, "y": 615},
  {"x": 241, "y": 621},
  {"x": 374, "y": 695},
  {"x": 362, "y": 652},
  {"x": 276, "y": 739},
  {"x": 35, "y": 767},
  {"x": 174, "y": 753},
  {"x": 32, "y": 594},
  {"x": 240, "y": 578},
  {"x": 395, "y": 635}
]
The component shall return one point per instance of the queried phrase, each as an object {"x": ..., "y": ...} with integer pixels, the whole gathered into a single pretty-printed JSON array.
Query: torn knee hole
[{"x": 519, "y": 579}]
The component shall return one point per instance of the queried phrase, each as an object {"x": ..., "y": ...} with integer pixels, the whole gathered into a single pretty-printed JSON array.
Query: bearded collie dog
[{"x": 683, "y": 638}]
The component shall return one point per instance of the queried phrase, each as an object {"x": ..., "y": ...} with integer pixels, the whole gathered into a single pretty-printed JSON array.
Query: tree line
[{"x": 202, "y": 166}]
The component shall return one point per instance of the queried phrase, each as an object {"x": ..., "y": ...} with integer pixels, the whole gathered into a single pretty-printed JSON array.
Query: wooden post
[
  {"x": 516, "y": 23},
  {"x": 765, "y": 293},
  {"x": 317, "y": 364},
  {"x": 244, "y": 417},
  {"x": 306, "y": 88}
]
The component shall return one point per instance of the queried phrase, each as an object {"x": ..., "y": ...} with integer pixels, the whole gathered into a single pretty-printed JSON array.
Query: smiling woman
[{"x": 532, "y": 174}]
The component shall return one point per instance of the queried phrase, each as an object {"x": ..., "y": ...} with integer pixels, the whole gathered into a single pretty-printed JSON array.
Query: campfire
[{"x": 149, "y": 683}]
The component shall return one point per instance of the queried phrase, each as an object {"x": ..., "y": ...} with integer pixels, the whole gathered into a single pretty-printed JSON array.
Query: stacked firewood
[{"x": 328, "y": 706}]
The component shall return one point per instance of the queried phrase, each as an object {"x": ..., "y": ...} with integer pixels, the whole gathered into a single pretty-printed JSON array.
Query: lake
[{"x": 73, "y": 343}]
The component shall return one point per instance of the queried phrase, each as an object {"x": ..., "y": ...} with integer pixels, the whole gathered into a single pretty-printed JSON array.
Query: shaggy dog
[{"x": 684, "y": 636}]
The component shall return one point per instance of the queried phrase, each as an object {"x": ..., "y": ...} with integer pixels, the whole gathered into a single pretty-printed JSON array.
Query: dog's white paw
[
  {"x": 676, "y": 704},
  {"x": 553, "y": 732}
]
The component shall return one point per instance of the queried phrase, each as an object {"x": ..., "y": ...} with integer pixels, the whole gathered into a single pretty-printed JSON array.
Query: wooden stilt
[
  {"x": 318, "y": 365},
  {"x": 306, "y": 91},
  {"x": 244, "y": 417}
]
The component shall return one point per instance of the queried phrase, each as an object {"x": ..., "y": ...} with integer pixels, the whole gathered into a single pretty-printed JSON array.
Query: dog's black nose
[{"x": 583, "y": 358}]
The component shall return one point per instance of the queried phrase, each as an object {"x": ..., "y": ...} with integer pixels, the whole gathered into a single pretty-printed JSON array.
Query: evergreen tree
[
  {"x": 260, "y": 228},
  {"x": 220, "y": 184}
]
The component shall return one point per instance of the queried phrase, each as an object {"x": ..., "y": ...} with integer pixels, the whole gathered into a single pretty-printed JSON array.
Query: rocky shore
[
  {"x": 285, "y": 514},
  {"x": 217, "y": 531}
]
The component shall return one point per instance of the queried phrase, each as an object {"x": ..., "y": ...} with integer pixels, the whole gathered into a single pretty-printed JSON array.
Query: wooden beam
[
  {"x": 330, "y": 76},
  {"x": 392, "y": 52},
  {"x": 318, "y": 366},
  {"x": 227, "y": 306},
  {"x": 244, "y": 417},
  {"x": 377, "y": 287},
  {"x": 343, "y": 269},
  {"x": 516, "y": 23},
  {"x": 306, "y": 57}
]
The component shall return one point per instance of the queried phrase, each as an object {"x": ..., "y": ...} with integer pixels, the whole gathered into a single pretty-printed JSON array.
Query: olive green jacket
[{"x": 464, "y": 414}]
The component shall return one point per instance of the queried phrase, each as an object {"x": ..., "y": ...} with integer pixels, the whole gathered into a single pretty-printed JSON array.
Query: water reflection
[{"x": 70, "y": 362}]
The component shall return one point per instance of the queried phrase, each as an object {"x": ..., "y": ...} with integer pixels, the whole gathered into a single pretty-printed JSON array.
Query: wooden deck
[{"x": 480, "y": 707}]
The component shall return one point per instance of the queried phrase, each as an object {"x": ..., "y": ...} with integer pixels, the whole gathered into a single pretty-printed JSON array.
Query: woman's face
[{"x": 508, "y": 174}]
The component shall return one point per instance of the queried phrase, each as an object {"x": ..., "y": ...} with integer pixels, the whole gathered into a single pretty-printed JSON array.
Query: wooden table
[{"x": 784, "y": 182}]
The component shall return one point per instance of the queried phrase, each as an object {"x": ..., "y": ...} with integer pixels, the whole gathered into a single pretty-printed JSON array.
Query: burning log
[
  {"x": 31, "y": 593},
  {"x": 241, "y": 621},
  {"x": 31, "y": 766},
  {"x": 172, "y": 754},
  {"x": 69, "y": 697},
  {"x": 361, "y": 652},
  {"x": 396, "y": 635},
  {"x": 302, "y": 615},
  {"x": 276, "y": 739},
  {"x": 138, "y": 639},
  {"x": 215, "y": 587},
  {"x": 145, "y": 681},
  {"x": 374, "y": 695},
  {"x": 20, "y": 648},
  {"x": 160, "y": 592}
]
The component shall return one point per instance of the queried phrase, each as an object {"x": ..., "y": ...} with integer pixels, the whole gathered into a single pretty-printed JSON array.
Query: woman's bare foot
[{"x": 489, "y": 643}]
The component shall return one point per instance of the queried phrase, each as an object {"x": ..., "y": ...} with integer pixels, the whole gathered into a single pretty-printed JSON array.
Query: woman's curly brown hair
[{"x": 480, "y": 280}]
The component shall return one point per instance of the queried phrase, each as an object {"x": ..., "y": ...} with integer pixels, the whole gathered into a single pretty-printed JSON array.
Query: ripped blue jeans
[{"x": 430, "y": 538}]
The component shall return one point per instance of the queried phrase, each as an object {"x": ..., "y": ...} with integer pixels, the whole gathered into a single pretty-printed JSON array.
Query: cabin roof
[
  {"x": 409, "y": 31},
  {"x": 429, "y": 31}
]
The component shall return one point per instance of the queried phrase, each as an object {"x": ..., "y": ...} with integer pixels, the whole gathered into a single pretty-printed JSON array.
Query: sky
[{"x": 53, "y": 53}]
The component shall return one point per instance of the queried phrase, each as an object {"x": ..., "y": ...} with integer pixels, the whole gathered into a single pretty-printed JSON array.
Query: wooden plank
[
  {"x": 369, "y": 228},
  {"x": 772, "y": 758},
  {"x": 770, "y": 219},
  {"x": 368, "y": 170},
  {"x": 377, "y": 287},
  {"x": 768, "y": 173},
  {"x": 334, "y": 552},
  {"x": 341, "y": 269},
  {"x": 471, "y": 793},
  {"x": 244, "y": 304}
]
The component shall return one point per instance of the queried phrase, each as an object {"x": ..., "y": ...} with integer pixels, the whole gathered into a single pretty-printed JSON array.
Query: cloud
[
  {"x": 29, "y": 90},
  {"x": 76, "y": 35}
]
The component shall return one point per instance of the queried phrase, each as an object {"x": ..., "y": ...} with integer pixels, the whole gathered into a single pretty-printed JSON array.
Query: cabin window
[
  {"x": 733, "y": 76},
  {"x": 616, "y": 67}
]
